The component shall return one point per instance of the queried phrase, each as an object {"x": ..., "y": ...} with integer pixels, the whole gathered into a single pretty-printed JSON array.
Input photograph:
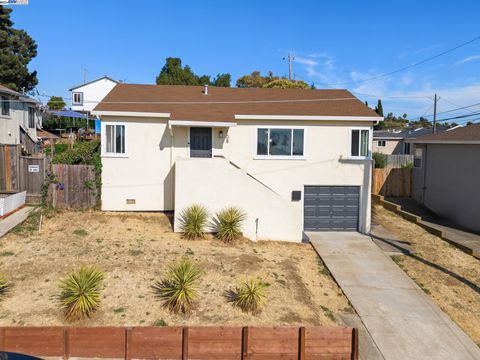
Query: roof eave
[{"x": 307, "y": 117}]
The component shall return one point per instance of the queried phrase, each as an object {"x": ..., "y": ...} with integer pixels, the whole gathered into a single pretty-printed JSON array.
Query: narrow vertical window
[
  {"x": 360, "y": 143},
  {"x": 31, "y": 118},
  {"x": 298, "y": 142},
  {"x": 262, "y": 141},
  {"x": 355, "y": 142},
  {"x": 364, "y": 143}
]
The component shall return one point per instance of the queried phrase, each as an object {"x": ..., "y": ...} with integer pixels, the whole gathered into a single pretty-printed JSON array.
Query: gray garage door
[{"x": 331, "y": 208}]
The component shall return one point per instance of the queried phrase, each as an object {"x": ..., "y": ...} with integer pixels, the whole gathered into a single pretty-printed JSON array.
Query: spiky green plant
[
  {"x": 250, "y": 294},
  {"x": 80, "y": 292},
  {"x": 228, "y": 223},
  {"x": 193, "y": 221},
  {"x": 179, "y": 289},
  {"x": 4, "y": 285}
]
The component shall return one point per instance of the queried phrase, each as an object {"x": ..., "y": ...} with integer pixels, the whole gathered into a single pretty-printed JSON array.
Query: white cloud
[{"x": 467, "y": 59}]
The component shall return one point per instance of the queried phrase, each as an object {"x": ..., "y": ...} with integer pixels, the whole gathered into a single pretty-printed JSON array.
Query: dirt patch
[
  {"x": 134, "y": 250},
  {"x": 449, "y": 276}
]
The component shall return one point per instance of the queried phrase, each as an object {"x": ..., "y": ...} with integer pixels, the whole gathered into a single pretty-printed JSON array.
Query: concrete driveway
[{"x": 402, "y": 321}]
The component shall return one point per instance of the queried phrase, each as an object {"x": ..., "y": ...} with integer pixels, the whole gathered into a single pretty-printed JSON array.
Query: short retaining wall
[
  {"x": 11, "y": 202},
  {"x": 182, "y": 342}
]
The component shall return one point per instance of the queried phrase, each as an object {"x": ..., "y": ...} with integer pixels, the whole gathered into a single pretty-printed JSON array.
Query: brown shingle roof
[
  {"x": 470, "y": 133},
  {"x": 6, "y": 90},
  {"x": 221, "y": 104}
]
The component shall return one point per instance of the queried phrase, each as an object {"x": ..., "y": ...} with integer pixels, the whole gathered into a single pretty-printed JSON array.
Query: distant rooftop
[{"x": 462, "y": 135}]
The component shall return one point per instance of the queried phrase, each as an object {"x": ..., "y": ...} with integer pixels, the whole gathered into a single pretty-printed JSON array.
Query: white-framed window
[
  {"x": 382, "y": 143},
  {"x": 31, "y": 117},
  {"x": 280, "y": 142},
  {"x": 406, "y": 148},
  {"x": 114, "y": 140},
  {"x": 5, "y": 105},
  {"x": 418, "y": 156},
  {"x": 360, "y": 143},
  {"x": 77, "y": 98}
]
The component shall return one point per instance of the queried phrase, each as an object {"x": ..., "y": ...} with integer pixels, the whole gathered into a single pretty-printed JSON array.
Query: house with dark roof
[
  {"x": 294, "y": 160},
  {"x": 393, "y": 142},
  {"x": 20, "y": 116},
  {"x": 446, "y": 174}
]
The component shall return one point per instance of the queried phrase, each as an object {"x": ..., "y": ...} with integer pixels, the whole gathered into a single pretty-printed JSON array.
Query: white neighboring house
[
  {"x": 20, "y": 116},
  {"x": 294, "y": 160},
  {"x": 86, "y": 96}
]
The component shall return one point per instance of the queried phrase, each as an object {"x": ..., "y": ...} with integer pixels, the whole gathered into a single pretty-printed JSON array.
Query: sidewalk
[
  {"x": 13, "y": 220},
  {"x": 402, "y": 321}
]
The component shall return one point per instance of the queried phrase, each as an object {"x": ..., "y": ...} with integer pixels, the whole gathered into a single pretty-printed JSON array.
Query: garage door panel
[{"x": 331, "y": 208}]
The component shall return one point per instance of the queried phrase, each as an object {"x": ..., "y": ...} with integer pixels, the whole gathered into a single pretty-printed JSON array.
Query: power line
[
  {"x": 449, "y": 111},
  {"x": 390, "y": 73},
  {"x": 454, "y": 104}
]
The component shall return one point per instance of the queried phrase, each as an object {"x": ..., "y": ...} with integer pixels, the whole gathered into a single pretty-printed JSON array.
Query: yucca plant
[
  {"x": 80, "y": 292},
  {"x": 193, "y": 221},
  {"x": 249, "y": 295},
  {"x": 4, "y": 285},
  {"x": 228, "y": 223},
  {"x": 179, "y": 289}
]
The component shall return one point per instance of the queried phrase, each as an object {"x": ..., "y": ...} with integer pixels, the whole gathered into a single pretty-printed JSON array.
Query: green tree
[
  {"x": 287, "y": 84},
  {"x": 379, "y": 108},
  {"x": 255, "y": 79},
  {"x": 56, "y": 103},
  {"x": 17, "y": 49},
  {"x": 173, "y": 73}
]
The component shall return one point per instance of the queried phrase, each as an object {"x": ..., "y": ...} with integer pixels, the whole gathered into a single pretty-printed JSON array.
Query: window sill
[
  {"x": 357, "y": 158},
  {"x": 5, "y": 116},
  {"x": 266, "y": 157},
  {"x": 114, "y": 156}
]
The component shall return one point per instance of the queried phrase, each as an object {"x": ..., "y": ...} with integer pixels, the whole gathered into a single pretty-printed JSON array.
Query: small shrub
[
  {"x": 5, "y": 285},
  {"x": 7, "y": 253},
  {"x": 193, "y": 221},
  {"x": 80, "y": 292},
  {"x": 160, "y": 322},
  {"x": 380, "y": 160},
  {"x": 80, "y": 232},
  {"x": 179, "y": 289},
  {"x": 249, "y": 295},
  {"x": 228, "y": 223},
  {"x": 408, "y": 166}
]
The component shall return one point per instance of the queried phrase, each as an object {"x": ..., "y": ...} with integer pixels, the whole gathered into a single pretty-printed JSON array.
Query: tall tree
[
  {"x": 255, "y": 79},
  {"x": 56, "y": 103},
  {"x": 173, "y": 73},
  {"x": 287, "y": 84},
  {"x": 379, "y": 108},
  {"x": 17, "y": 49}
]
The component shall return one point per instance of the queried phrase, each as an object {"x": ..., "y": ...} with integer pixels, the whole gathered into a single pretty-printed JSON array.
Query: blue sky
[{"x": 333, "y": 41}]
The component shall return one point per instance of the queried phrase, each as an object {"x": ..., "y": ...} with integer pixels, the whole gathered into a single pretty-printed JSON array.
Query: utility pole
[
  {"x": 84, "y": 75},
  {"x": 435, "y": 114},
  {"x": 290, "y": 58}
]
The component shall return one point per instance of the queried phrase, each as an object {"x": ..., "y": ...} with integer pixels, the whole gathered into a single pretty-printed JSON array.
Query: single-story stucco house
[
  {"x": 294, "y": 160},
  {"x": 446, "y": 176}
]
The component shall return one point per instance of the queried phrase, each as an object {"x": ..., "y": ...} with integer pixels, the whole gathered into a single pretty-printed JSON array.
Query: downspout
[
  {"x": 172, "y": 185},
  {"x": 424, "y": 167}
]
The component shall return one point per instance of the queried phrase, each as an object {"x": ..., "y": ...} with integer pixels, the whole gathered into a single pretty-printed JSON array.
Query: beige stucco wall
[
  {"x": 391, "y": 147},
  {"x": 146, "y": 175},
  {"x": 450, "y": 186}
]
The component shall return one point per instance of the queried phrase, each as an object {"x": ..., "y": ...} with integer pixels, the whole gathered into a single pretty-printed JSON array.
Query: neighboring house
[
  {"x": 393, "y": 142},
  {"x": 20, "y": 116},
  {"x": 446, "y": 176},
  {"x": 86, "y": 96},
  {"x": 293, "y": 159}
]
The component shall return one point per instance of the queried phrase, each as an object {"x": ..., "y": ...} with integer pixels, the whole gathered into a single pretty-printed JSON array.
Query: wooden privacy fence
[
  {"x": 391, "y": 182},
  {"x": 74, "y": 186},
  {"x": 21, "y": 173},
  {"x": 397, "y": 161},
  {"x": 291, "y": 343}
]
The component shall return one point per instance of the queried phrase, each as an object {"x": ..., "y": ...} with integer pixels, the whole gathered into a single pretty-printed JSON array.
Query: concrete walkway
[
  {"x": 402, "y": 321},
  {"x": 13, "y": 220}
]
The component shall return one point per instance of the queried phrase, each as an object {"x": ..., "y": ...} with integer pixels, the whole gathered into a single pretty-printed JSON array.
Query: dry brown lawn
[
  {"x": 448, "y": 275},
  {"x": 134, "y": 250}
]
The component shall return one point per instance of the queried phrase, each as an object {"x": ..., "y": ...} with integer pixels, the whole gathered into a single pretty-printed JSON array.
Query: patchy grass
[
  {"x": 299, "y": 285},
  {"x": 449, "y": 276},
  {"x": 7, "y": 253},
  {"x": 80, "y": 232}
]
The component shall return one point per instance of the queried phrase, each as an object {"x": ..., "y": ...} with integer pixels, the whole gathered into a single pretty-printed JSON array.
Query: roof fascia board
[
  {"x": 92, "y": 81},
  {"x": 130, "y": 114},
  {"x": 201, "y": 123},
  {"x": 307, "y": 117},
  {"x": 446, "y": 142}
]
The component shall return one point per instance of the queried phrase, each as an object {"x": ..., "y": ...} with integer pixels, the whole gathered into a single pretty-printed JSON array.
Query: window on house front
[
  {"x": 115, "y": 139},
  {"x": 280, "y": 142},
  {"x": 359, "y": 143},
  {"x": 77, "y": 98},
  {"x": 381, "y": 143},
  {"x": 5, "y": 105},
  {"x": 31, "y": 117},
  {"x": 406, "y": 148},
  {"x": 417, "y": 156}
]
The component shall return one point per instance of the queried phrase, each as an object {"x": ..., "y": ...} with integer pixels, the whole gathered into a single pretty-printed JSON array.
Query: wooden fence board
[
  {"x": 392, "y": 182},
  {"x": 399, "y": 160},
  {"x": 282, "y": 343},
  {"x": 155, "y": 343},
  {"x": 324, "y": 343},
  {"x": 215, "y": 343},
  {"x": 97, "y": 342},
  {"x": 35, "y": 341},
  {"x": 9, "y": 168}
]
